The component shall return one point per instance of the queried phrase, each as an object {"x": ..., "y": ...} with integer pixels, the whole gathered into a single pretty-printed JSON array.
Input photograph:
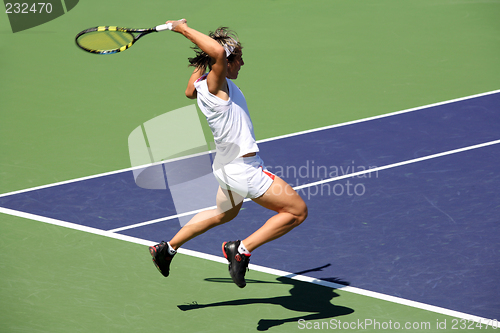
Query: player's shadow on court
[{"x": 304, "y": 297}]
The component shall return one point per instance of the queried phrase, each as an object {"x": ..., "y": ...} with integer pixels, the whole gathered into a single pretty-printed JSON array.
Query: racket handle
[{"x": 162, "y": 27}]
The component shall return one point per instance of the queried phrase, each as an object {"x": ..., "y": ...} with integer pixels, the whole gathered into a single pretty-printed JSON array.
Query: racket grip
[{"x": 162, "y": 27}]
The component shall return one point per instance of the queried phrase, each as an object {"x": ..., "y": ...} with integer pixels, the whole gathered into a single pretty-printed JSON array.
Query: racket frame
[{"x": 142, "y": 32}]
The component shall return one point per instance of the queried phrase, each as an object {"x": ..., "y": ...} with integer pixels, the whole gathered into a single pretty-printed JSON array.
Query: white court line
[
  {"x": 161, "y": 219},
  {"x": 258, "y": 268},
  {"x": 394, "y": 165},
  {"x": 349, "y": 175},
  {"x": 259, "y": 141},
  {"x": 100, "y": 175},
  {"x": 381, "y": 116}
]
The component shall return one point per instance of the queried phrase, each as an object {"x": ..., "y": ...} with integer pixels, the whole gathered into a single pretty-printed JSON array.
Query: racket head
[{"x": 105, "y": 39}]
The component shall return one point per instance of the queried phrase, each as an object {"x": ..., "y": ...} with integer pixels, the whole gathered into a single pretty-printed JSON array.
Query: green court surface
[
  {"x": 56, "y": 279},
  {"x": 67, "y": 114}
]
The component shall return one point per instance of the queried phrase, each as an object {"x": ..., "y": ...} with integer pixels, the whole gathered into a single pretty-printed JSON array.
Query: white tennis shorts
[{"x": 246, "y": 176}]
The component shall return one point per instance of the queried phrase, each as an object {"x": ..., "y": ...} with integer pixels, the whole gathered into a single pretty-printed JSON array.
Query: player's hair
[{"x": 225, "y": 37}]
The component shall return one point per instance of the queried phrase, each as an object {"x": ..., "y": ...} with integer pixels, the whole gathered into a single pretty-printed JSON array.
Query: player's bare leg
[
  {"x": 228, "y": 207},
  {"x": 291, "y": 209}
]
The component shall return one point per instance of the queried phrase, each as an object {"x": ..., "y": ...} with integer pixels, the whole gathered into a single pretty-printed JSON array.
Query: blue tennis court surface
[{"x": 426, "y": 230}]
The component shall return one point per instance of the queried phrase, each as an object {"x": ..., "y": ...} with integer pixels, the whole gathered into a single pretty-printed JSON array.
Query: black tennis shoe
[
  {"x": 161, "y": 257},
  {"x": 238, "y": 262}
]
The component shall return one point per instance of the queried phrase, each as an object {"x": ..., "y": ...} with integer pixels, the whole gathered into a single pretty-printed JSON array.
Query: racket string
[{"x": 105, "y": 40}]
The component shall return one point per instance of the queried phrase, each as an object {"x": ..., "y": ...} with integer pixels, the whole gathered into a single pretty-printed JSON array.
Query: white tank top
[{"x": 229, "y": 121}]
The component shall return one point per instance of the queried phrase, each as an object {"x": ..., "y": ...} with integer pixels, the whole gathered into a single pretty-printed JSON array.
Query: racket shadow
[{"x": 311, "y": 299}]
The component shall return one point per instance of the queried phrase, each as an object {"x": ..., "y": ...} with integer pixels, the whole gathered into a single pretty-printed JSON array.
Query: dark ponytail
[{"x": 225, "y": 37}]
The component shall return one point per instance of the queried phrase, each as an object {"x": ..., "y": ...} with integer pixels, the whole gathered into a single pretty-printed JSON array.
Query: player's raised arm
[{"x": 217, "y": 76}]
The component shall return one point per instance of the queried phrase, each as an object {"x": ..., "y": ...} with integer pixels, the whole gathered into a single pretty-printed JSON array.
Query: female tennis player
[{"x": 237, "y": 167}]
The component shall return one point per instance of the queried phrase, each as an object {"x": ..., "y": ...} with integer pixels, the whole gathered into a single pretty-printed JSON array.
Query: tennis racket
[{"x": 111, "y": 39}]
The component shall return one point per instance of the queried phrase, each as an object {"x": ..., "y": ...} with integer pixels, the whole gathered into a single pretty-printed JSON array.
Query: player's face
[{"x": 234, "y": 67}]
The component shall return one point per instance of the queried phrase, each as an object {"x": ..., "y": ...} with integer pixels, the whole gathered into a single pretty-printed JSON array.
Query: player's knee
[
  {"x": 300, "y": 214},
  {"x": 303, "y": 212},
  {"x": 227, "y": 216}
]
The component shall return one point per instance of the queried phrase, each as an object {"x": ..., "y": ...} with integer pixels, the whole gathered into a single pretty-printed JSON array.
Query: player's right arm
[{"x": 216, "y": 79}]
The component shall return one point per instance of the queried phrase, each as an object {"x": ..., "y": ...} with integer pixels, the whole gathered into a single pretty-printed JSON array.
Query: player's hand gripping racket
[{"x": 110, "y": 39}]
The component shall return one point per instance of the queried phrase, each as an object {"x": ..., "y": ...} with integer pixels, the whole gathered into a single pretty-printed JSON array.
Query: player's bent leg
[
  {"x": 291, "y": 209},
  {"x": 228, "y": 206}
]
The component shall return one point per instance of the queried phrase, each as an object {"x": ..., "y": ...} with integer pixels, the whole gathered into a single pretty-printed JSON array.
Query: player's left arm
[{"x": 190, "y": 89}]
